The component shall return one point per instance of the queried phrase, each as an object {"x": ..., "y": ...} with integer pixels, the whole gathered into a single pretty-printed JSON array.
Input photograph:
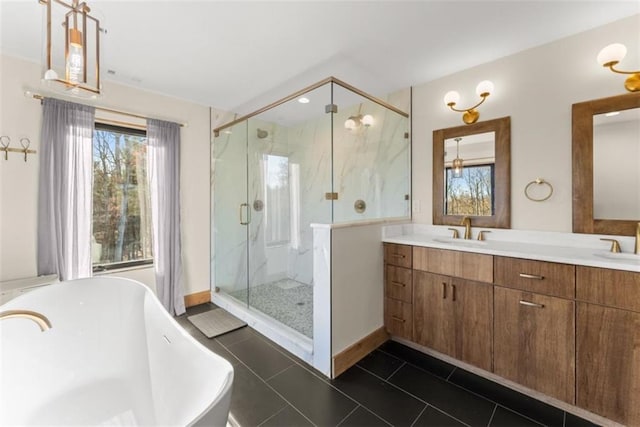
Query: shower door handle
[{"x": 245, "y": 205}]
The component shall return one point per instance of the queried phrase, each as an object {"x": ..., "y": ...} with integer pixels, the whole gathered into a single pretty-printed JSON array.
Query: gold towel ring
[{"x": 538, "y": 181}]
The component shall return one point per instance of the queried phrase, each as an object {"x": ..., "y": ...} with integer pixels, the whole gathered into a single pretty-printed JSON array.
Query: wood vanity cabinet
[
  {"x": 452, "y": 315},
  {"x": 608, "y": 343},
  {"x": 570, "y": 332},
  {"x": 534, "y": 337},
  {"x": 398, "y": 290},
  {"x": 534, "y": 341}
]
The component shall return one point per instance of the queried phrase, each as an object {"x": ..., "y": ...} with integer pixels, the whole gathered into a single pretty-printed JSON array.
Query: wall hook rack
[{"x": 5, "y": 141}]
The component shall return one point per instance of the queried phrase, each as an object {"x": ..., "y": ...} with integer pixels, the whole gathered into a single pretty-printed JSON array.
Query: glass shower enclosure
[{"x": 327, "y": 154}]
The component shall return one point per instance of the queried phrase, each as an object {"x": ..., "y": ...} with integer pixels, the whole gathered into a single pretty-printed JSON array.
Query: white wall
[
  {"x": 21, "y": 116},
  {"x": 536, "y": 88}
]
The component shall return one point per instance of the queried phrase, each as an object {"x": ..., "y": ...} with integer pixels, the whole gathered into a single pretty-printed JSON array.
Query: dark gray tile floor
[{"x": 394, "y": 385}]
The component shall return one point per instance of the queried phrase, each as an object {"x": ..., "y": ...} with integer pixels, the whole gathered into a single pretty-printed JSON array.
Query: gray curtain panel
[
  {"x": 163, "y": 159},
  {"x": 64, "y": 194}
]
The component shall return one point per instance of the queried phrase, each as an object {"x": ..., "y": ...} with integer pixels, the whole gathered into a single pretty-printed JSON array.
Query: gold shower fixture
[
  {"x": 610, "y": 56},
  {"x": 471, "y": 115}
]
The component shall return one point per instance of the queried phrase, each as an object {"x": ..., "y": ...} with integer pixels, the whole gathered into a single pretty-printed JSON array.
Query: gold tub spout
[
  {"x": 40, "y": 319},
  {"x": 466, "y": 221}
]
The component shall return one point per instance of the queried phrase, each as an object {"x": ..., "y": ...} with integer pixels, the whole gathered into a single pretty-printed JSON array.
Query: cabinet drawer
[
  {"x": 398, "y": 318},
  {"x": 466, "y": 265},
  {"x": 615, "y": 288},
  {"x": 399, "y": 255},
  {"x": 536, "y": 276},
  {"x": 397, "y": 283}
]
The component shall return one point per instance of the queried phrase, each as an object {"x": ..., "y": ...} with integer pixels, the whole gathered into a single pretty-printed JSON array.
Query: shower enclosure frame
[{"x": 304, "y": 348}]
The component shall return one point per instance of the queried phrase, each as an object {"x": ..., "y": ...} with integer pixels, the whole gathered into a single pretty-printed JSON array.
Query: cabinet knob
[
  {"x": 398, "y": 319},
  {"x": 398, "y": 284}
]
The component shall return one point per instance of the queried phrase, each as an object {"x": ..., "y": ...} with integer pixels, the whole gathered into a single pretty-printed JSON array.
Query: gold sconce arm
[
  {"x": 470, "y": 115},
  {"x": 610, "y": 56},
  {"x": 611, "y": 66},
  {"x": 452, "y": 104}
]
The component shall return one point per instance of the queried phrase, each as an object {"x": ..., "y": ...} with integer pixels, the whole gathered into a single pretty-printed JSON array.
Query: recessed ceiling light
[
  {"x": 613, "y": 113},
  {"x": 303, "y": 100}
]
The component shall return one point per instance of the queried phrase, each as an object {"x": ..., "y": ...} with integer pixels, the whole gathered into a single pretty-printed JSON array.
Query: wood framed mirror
[
  {"x": 482, "y": 190},
  {"x": 606, "y": 191}
]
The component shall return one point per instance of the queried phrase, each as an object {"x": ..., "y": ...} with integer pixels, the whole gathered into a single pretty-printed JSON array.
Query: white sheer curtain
[
  {"x": 65, "y": 193},
  {"x": 163, "y": 159}
]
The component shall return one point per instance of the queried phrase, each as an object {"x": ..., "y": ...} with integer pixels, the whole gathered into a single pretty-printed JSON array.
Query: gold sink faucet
[
  {"x": 466, "y": 221},
  {"x": 40, "y": 319}
]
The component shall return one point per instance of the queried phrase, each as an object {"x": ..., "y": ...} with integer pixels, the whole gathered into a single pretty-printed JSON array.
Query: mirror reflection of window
[
  {"x": 470, "y": 175},
  {"x": 471, "y": 193}
]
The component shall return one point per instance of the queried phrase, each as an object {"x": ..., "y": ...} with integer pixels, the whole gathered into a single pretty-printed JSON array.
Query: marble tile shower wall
[{"x": 371, "y": 164}]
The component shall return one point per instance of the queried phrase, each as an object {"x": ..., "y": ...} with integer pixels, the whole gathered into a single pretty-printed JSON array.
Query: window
[
  {"x": 277, "y": 209},
  {"x": 472, "y": 193},
  {"x": 121, "y": 207}
]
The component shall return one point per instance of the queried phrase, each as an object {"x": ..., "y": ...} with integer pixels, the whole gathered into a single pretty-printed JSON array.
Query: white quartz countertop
[{"x": 566, "y": 248}]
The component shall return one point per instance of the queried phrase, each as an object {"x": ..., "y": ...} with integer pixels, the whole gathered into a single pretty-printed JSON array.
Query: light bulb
[
  {"x": 484, "y": 88},
  {"x": 456, "y": 169},
  {"x": 612, "y": 54},
  {"x": 75, "y": 58},
  {"x": 50, "y": 74},
  {"x": 367, "y": 120},
  {"x": 350, "y": 124},
  {"x": 451, "y": 98}
]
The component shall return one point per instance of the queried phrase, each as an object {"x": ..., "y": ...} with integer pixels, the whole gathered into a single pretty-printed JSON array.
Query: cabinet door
[
  {"x": 432, "y": 311},
  {"x": 472, "y": 304},
  {"x": 534, "y": 342},
  {"x": 608, "y": 362}
]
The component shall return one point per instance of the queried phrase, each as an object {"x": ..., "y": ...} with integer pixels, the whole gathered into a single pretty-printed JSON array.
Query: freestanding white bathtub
[{"x": 114, "y": 356}]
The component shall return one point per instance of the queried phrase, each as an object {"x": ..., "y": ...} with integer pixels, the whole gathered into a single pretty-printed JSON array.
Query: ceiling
[{"x": 240, "y": 55}]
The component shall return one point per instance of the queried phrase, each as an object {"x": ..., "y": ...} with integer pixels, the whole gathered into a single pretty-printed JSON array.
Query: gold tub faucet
[
  {"x": 40, "y": 319},
  {"x": 466, "y": 221}
]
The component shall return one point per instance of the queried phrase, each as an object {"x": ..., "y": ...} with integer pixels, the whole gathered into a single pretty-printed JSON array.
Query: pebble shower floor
[{"x": 286, "y": 300}]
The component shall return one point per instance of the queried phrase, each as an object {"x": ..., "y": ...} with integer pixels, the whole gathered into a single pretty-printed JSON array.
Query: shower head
[{"x": 262, "y": 133}]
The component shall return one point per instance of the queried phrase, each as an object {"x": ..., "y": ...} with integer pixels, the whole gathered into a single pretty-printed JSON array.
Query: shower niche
[{"x": 329, "y": 154}]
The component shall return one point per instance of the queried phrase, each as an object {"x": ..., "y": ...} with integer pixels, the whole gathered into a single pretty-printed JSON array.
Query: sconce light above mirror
[
  {"x": 471, "y": 115},
  {"x": 610, "y": 56}
]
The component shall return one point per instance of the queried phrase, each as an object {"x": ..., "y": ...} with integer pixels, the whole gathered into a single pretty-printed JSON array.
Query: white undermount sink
[
  {"x": 460, "y": 242},
  {"x": 619, "y": 256}
]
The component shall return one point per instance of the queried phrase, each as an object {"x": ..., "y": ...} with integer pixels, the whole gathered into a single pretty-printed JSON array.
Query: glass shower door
[
  {"x": 289, "y": 172},
  {"x": 231, "y": 212}
]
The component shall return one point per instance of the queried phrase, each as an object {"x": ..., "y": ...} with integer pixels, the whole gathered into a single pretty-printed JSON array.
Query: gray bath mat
[{"x": 216, "y": 322}]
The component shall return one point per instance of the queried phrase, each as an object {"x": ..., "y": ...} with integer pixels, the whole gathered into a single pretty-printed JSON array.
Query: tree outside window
[
  {"x": 472, "y": 193},
  {"x": 121, "y": 205}
]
